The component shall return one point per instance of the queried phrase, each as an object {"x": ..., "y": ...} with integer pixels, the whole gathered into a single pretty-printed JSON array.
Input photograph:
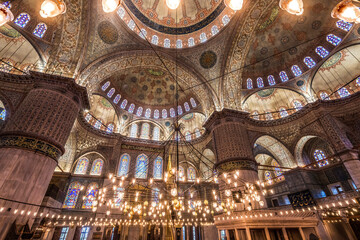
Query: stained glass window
[
  {"x": 203, "y": 37},
  {"x": 134, "y": 130},
  {"x": 40, "y": 30},
  {"x": 310, "y": 63},
  {"x": 357, "y": 82},
  {"x": 179, "y": 110},
  {"x": 158, "y": 171},
  {"x": 267, "y": 175},
  {"x": 268, "y": 116},
  {"x": 277, "y": 170},
  {"x": 156, "y": 195},
  {"x": 145, "y": 131},
  {"x": 117, "y": 98},
  {"x": 172, "y": 112},
  {"x": 22, "y": 20},
  {"x": 164, "y": 113},
  {"x": 84, "y": 233},
  {"x": 324, "y": 96},
  {"x": 156, "y": 114},
  {"x": 297, "y": 105},
  {"x": 63, "y": 233},
  {"x": 131, "y": 108},
  {"x": 343, "y": 92},
  {"x": 119, "y": 196},
  {"x": 123, "y": 104},
  {"x": 260, "y": 82},
  {"x": 296, "y": 70},
  {"x": 7, "y": 4},
  {"x": 321, "y": 51},
  {"x": 197, "y": 133},
  {"x": 320, "y": 158},
  {"x": 88, "y": 117},
  {"x": 271, "y": 80},
  {"x": 124, "y": 165},
  {"x": 91, "y": 194},
  {"x": 187, "y": 106},
  {"x": 283, "y": 112},
  {"x": 105, "y": 86},
  {"x": 194, "y": 232},
  {"x": 110, "y": 128},
  {"x": 333, "y": 39},
  {"x": 139, "y": 111},
  {"x": 72, "y": 195},
  {"x": 3, "y": 115},
  {"x": 255, "y": 115},
  {"x": 225, "y": 19},
  {"x": 249, "y": 83},
  {"x": 167, "y": 43},
  {"x": 97, "y": 124},
  {"x": 97, "y": 167},
  {"x": 188, "y": 136},
  {"x": 214, "y": 30},
  {"x": 346, "y": 26},
  {"x": 155, "y": 40},
  {"x": 111, "y": 92},
  {"x": 141, "y": 166},
  {"x": 193, "y": 102},
  {"x": 191, "y": 174},
  {"x": 148, "y": 113},
  {"x": 181, "y": 173},
  {"x": 156, "y": 134},
  {"x": 6, "y": 67},
  {"x": 81, "y": 166},
  {"x": 283, "y": 76},
  {"x": 179, "y": 43},
  {"x": 142, "y": 33},
  {"x": 191, "y": 42}
]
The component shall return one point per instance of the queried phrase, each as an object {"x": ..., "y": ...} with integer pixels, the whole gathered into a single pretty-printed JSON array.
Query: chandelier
[
  {"x": 5, "y": 15},
  {"x": 52, "y": 8},
  {"x": 110, "y": 5}
]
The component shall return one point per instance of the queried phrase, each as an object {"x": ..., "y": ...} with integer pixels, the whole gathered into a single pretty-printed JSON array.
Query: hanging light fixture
[
  {"x": 234, "y": 4},
  {"x": 295, "y": 7},
  {"x": 110, "y": 5},
  {"x": 173, "y": 4},
  {"x": 5, "y": 15},
  {"x": 347, "y": 11},
  {"x": 52, "y": 8}
]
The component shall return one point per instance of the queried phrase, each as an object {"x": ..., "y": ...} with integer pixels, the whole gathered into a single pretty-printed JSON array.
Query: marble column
[{"x": 32, "y": 141}]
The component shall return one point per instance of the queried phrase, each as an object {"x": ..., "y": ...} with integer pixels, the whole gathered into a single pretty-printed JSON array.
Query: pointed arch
[
  {"x": 81, "y": 166},
  {"x": 72, "y": 195},
  {"x": 191, "y": 174},
  {"x": 91, "y": 194},
  {"x": 124, "y": 165},
  {"x": 97, "y": 166},
  {"x": 158, "y": 168},
  {"x": 142, "y": 162}
]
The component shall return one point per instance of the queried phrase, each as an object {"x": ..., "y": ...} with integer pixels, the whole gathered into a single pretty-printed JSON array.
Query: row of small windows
[
  {"x": 145, "y": 131},
  {"x": 141, "y": 169},
  {"x": 297, "y": 105},
  {"x": 98, "y": 123},
  {"x": 73, "y": 194},
  {"x": 83, "y": 163},
  {"x": 309, "y": 62},
  {"x": 23, "y": 19},
  {"x": 167, "y": 42},
  {"x": 147, "y": 113}
]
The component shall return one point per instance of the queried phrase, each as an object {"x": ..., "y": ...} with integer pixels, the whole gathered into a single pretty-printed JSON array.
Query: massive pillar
[{"x": 32, "y": 141}]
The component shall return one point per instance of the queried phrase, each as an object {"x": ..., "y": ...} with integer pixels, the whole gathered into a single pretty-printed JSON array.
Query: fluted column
[{"x": 33, "y": 140}]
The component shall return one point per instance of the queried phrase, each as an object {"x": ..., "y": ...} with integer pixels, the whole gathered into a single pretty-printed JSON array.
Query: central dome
[{"x": 193, "y": 22}]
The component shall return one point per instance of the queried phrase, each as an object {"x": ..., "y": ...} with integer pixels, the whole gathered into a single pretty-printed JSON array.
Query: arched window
[
  {"x": 193, "y": 102},
  {"x": 357, "y": 82},
  {"x": 142, "y": 33},
  {"x": 249, "y": 83},
  {"x": 333, "y": 39},
  {"x": 141, "y": 166},
  {"x": 179, "y": 43},
  {"x": 148, "y": 113},
  {"x": 283, "y": 112},
  {"x": 191, "y": 42},
  {"x": 111, "y": 92},
  {"x": 121, "y": 12},
  {"x": 131, "y": 108},
  {"x": 191, "y": 174},
  {"x": 97, "y": 166},
  {"x": 117, "y": 98},
  {"x": 283, "y": 76},
  {"x": 172, "y": 112},
  {"x": 131, "y": 24},
  {"x": 188, "y": 136},
  {"x": 268, "y": 116},
  {"x": 145, "y": 131},
  {"x": 81, "y": 166},
  {"x": 156, "y": 114},
  {"x": 296, "y": 70},
  {"x": 156, "y": 133},
  {"x": 346, "y": 26},
  {"x": 105, "y": 86},
  {"x": 320, "y": 158},
  {"x": 72, "y": 195},
  {"x": 214, "y": 30},
  {"x": 260, "y": 82},
  {"x": 40, "y": 30},
  {"x": 123, "y": 104},
  {"x": 155, "y": 40},
  {"x": 91, "y": 195},
  {"x": 118, "y": 196},
  {"x": 167, "y": 43},
  {"x": 158, "y": 168},
  {"x": 134, "y": 130},
  {"x": 164, "y": 113},
  {"x": 203, "y": 37},
  {"x": 271, "y": 80},
  {"x": 7, "y": 4},
  {"x": 255, "y": 115},
  {"x": 22, "y": 20},
  {"x": 179, "y": 110},
  {"x": 88, "y": 117},
  {"x": 187, "y": 106},
  {"x": 277, "y": 170},
  {"x": 267, "y": 175},
  {"x": 343, "y": 92},
  {"x": 139, "y": 111},
  {"x": 3, "y": 115},
  {"x": 110, "y": 128},
  {"x": 324, "y": 96},
  {"x": 98, "y": 124},
  {"x": 297, "y": 105},
  {"x": 181, "y": 174},
  {"x": 321, "y": 51},
  {"x": 124, "y": 165},
  {"x": 197, "y": 133},
  {"x": 225, "y": 19},
  {"x": 310, "y": 63}
]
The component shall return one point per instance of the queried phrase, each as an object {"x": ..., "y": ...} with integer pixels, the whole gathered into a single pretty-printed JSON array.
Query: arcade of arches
[{"x": 199, "y": 123}]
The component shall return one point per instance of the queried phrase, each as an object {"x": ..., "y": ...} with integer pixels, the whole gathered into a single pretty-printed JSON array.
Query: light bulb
[
  {"x": 173, "y": 4},
  {"x": 347, "y": 11},
  {"x": 234, "y": 4},
  {"x": 5, "y": 15},
  {"x": 173, "y": 192},
  {"x": 110, "y": 5},
  {"x": 292, "y": 6},
  {"x": 52, "y": 8}
]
